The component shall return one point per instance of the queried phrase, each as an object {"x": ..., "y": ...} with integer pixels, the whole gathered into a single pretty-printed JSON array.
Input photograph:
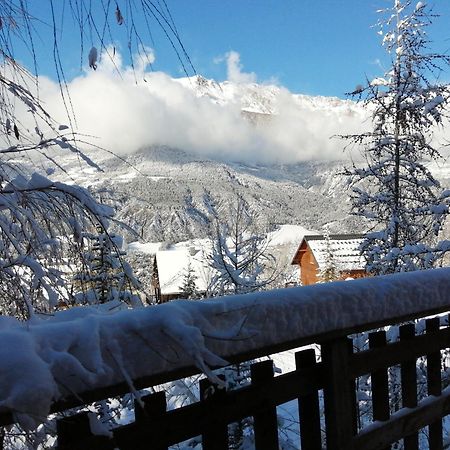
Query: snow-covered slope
[{"x": 164, "y": 192}]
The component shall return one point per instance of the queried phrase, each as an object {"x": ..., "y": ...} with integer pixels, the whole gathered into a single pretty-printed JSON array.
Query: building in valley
[{"x": 319, "y": 254}]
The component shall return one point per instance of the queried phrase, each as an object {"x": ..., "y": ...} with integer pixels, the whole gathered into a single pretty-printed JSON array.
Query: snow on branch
[
  {"x": 39, "y": 220},
  {"x": 394, "y": 189},
  {"x": 86, "y": 348}
]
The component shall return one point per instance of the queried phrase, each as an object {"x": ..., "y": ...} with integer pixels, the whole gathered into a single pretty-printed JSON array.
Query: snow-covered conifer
[
  {"x": 105, "y": 275},
  {"x": 329, "y": 270},
  {"x": 188, "y": 287},
  {"x": 395, "y": 190},
  {"x": 239, "y": 256}
]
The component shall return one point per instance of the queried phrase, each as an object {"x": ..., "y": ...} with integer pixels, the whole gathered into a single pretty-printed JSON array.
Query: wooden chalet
[
  {"x": 170, "y": 268},
  {"x": 311, "y": 256}
]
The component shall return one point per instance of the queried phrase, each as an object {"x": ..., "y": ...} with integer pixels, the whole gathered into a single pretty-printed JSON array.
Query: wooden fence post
[
  {"x": 215, "y": 437},
  {"x": 380, "y": 382},
  {"x": 154, "y": 407},
  {"x": 408, "y": 373},
  {"x": 339, "y": 395},
  {"x": 265, "y": 422},
  {"x": 308, "y": 406},
  {"x": 434, "y": 385},
  {"x": 74, "y": 433}
]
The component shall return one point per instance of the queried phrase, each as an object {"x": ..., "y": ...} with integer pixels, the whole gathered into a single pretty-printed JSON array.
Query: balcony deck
[{"x": 87, "y": 355}]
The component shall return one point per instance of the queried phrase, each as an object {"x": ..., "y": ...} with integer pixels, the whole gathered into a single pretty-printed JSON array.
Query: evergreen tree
[
  {"x": 106, "y": 276},
  {"x": 396, "y": 191},
  {"x": 329, "y": 271},
  {"x": 189, "y": 286}
]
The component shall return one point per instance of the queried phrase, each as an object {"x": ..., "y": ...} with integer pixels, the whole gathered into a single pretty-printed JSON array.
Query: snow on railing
[{"x": 82, "y": 349}]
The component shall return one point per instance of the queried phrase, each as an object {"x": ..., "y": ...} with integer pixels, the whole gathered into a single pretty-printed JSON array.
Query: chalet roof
[
  {"x": 173, "y": 265},
  {"x": 344, "y": 248},
  {"x": 173, "y": 262}
]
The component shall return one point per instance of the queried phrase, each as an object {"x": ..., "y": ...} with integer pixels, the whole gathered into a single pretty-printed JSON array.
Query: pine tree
[
  {"x": 395, "y": 191},
  {"x": 189, "y": 287},
  {"x": 106, "y": 276},
  {"x": 329, "y": 271}
]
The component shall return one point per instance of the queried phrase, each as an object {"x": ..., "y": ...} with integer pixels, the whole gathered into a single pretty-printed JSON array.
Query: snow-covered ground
[
  {"x": 174, "y": 261},
  {"x": 284, "y": 234}
]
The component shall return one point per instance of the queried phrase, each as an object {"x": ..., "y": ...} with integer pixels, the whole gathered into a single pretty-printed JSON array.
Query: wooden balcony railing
[{"x": 325, "y": 378}]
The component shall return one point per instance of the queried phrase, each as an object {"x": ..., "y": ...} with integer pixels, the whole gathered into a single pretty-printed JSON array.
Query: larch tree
[
  {"x": 395, "y": 189},
  {"x": 42, "y": 221},
  {"x": 239, "y": 257}
]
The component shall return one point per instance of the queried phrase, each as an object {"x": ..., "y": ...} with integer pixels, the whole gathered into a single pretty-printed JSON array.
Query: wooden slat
[
  {"x": 215, "y": 435},
  {"x": 399, "y": 352},
  {"x": 408, "y": 373},
  {"x": 265, "y": 421},
  {"x": 74, "y": 433},
  {"x": 339, "y": 406},
  {"x": 434, "y": 386},
  {"x": 184, "y": 423},
  {"x": 376, "y": 436},
  {"x": 308, "y": 406},
  {"x": 380, "y": 384},
  {"x": 154, "y": 407}
]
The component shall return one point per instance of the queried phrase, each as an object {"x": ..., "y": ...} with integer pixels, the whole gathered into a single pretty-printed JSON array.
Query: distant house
[
  {"x": 170, "y": 268},
  {"x": 311, "y": 256}
]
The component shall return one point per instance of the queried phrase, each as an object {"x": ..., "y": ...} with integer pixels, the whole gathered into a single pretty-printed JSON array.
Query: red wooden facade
[{"x": 307, "y": 259}]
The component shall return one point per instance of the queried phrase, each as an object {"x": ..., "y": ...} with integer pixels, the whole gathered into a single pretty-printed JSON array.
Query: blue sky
[
  {"x": 315, "y": 47},
  {"x": 318, "y": 47},
  {"x": 321, "y": 47}
]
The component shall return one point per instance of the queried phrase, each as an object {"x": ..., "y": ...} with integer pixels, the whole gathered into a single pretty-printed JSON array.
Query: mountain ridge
[{"x": 160, "y": 190}]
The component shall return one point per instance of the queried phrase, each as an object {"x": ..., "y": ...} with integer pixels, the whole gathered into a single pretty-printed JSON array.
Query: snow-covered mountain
[
  {"x": 261, "y": 98},
  {"x": 164, "y": 192}
]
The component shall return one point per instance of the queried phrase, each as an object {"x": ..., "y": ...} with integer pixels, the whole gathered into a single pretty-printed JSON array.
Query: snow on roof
[
  {"x": 173, "y": 262},
  {"x": 344, "y": 249},
  {"x": 144, "y": 247},
  {"x": 287, "y": 234},
  {"x": 91, "y": 347},
  {"x": 173, "y": 265}
]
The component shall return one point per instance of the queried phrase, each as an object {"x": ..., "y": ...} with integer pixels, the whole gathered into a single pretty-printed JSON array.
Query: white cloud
[
  {"x": 234, "y": 69},
  {"x": 132, "y": 110}
]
